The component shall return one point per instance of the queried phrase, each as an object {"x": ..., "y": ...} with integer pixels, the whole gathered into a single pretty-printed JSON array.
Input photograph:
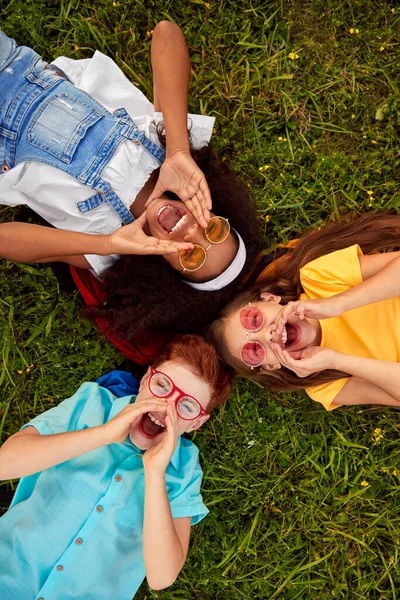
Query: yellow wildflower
[
  {"x": 351, "y": 30},
  {"x": 364, "y": 483},
  {"x": 19, "y": 372},
  {"x": 149, "y": 33},
  {"x": 370, "y": 193},
  {"x": 264, "y": 168},
  {"x": 353, "y": 116},
  {"x": 115, "y": 4},
  {"x": 207, "y": 4},
  {"x": 282, "y": 139},
  {"x": 267, "y": 218},
  {"x": 76, "y": 48},
  {"x": 393, "y": 10},
  {"x": 384, "y": 470},
  {"x": 214, "y": 130},
  {"x": 31, "y": 366},
  {"x": 356, "y": 31},
  {"x": 27, "y": 370},
  {"x": 293, "y": 56},
  {"x": 381, "y": 49},
  {"x": 374, "y": 142},
  {"x": 371, "y": 200},
  {"x": 394, "y": 472}
]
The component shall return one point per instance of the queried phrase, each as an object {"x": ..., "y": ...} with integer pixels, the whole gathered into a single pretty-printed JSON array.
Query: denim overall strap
[{"x": 138, "y": 137}]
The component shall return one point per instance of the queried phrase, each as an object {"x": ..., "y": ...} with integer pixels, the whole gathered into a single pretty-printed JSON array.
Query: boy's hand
[
  {"x": 157, "y": 458},
  {"x": 181, "y": 175},
  {"x": 131, "y": 239},
  {"x": 116, "y": 430}
]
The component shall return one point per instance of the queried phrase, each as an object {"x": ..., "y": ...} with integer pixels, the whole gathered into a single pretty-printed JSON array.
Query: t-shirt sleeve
[
  {"x": 326, "y": 393},
  {"x": 184, "y": 490},
  {"x": 88, "y": 407},
  {"x": 332, "y": 273}
]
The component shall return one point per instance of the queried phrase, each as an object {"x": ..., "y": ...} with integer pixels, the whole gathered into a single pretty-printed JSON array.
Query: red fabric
[{"x": 146, "y": 346}]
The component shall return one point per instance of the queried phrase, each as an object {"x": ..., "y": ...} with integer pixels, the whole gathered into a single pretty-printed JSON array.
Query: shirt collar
[{"x": 117, "y": 406}]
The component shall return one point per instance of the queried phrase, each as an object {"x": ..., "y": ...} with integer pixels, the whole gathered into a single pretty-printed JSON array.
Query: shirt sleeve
[
  {"x": 183, "y": 486},
  {"x": 332, "y": 273},
  {"x": 326, "y": 393},
  {"x": 88, "y": 407}
]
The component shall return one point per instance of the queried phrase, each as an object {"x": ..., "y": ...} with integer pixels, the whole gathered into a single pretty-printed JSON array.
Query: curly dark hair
[{"x": 144, "y": 292}]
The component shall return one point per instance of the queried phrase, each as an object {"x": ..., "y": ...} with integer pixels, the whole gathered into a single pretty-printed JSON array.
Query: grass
[{"x": 311, "y": 135}]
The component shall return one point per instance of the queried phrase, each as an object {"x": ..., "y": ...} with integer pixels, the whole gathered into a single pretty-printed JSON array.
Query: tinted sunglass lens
[
  {"x": 217, "y": 230},
  {"x": 251, "y": 318},
  {"x": 193, "y": 259},
  {"x": 253, "y": 354}
]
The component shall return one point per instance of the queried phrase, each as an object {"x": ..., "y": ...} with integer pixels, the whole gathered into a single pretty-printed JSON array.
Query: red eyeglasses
[
  {"x": 162, "y": 386},
  {"x": 252, "y": 353}
]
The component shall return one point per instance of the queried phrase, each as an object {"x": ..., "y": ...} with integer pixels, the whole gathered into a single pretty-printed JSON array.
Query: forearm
[
  {"x": 24, "y": 242},
  {"x": 23, "y": 455},
  {"x": 381, "y": 373},
  {"x": 162, "y": 550},
  {"x": 171, "y": 71},
  {"x": 381, "y": 286}
]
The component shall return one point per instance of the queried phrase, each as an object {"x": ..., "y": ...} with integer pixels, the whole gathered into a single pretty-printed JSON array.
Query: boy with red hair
[{"x": 109, "y": 489}]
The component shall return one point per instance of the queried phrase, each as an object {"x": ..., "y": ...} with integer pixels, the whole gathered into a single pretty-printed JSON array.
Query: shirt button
[
  {"x": 118, "y": 478},
  {"x": 99, "y": 508},
  {"x": 60, "y": 568},
  {"x": 5, "y": 168},
  {"x": 78, "y": 541},
  {"x": 136, "y": 142}
]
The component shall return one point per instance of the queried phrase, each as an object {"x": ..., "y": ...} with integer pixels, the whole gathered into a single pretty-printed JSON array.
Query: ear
[
  {"x": 267, "y": 297},
  {"x": 197, "y": 423},
  {"x": 144, "y": 379},
  {"x": 273, "y": 367}
]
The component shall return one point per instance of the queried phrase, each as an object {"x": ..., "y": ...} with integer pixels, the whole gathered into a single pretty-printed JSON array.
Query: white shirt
[{"x": 53, "y": 194}]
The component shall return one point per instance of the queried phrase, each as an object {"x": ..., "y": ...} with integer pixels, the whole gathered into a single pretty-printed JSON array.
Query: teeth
[
  {"x": 179, "y": 224},
  {"x": 156, "y": 421},
  {"x": 284, "y": 336}
]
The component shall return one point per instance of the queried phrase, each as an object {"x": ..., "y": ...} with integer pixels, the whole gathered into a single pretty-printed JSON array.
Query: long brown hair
[{"x": 373, "y": 233}]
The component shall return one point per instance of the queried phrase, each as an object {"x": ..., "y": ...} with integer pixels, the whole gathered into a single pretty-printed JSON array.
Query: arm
[
  {"x": 171, "y": 72},
  {"x": 381, "y": 280},
  {"x": 24, "y": 242},
  {"x": 165, "y": 540},
  {"x": 28, "y": 452},
  {"x": 372, "y": 381}
]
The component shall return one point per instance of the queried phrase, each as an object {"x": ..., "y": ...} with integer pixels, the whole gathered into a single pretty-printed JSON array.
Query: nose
[
  {"x": 268, "y": 333},
  {"x": 192, "y": 233}
]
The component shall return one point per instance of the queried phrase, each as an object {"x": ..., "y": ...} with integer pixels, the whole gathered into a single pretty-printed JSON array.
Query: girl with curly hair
[{"x": 87, "y": 166}]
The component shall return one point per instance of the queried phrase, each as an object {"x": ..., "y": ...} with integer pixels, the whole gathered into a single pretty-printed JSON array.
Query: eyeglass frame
[
  {"x": 248, "y": 331},
  {"x": 182, "y": 394},
  {"x": 184, "y": 269}
]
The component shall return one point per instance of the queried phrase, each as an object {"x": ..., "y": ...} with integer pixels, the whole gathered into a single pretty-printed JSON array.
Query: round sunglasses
[
  {"x": 252, "y": 352},
  {"x": 162, "y": 386},
  {"x": 216, "y": 232}
]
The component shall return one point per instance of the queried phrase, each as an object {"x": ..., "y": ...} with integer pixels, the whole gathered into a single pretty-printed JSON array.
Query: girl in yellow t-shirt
[{"x": 325, "y": 317}]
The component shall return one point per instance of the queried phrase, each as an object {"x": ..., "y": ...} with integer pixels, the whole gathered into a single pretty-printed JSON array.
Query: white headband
[{"x": 227, "y": 276}]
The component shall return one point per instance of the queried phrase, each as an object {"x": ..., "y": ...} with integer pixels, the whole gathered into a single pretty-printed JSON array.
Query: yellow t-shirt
[{"x": 369, "y": 331}]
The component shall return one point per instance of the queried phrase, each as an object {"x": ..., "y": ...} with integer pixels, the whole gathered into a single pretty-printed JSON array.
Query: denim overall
[{"x": 44, "y": 118}]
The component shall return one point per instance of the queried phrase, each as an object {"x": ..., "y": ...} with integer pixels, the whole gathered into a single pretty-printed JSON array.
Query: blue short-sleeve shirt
[{"x": 75, "y": 530}]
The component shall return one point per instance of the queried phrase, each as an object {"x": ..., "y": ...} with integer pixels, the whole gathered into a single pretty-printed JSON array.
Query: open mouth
[
  {"x": 150, "y": 427},
  {"x": 291, "y": 335},
  {"x": 170, "y": 218}
]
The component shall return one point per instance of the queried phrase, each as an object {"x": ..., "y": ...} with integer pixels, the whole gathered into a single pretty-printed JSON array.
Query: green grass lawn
[{"x": 304, "y": 504}]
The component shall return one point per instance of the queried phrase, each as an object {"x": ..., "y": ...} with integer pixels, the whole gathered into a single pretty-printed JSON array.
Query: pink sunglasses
[{"x": 252, "y": 353}]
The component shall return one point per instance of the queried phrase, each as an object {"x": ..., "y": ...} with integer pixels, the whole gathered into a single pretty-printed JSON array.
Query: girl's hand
[
  {"x": 117, "y": 428},
  {"x": 305, "y": 362},
  {"x": 157, "y": 458},
  {"x": 181, "y": 175},
  {"x": 131, "y": 239},
  {"x": 321, "y": 308}
]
